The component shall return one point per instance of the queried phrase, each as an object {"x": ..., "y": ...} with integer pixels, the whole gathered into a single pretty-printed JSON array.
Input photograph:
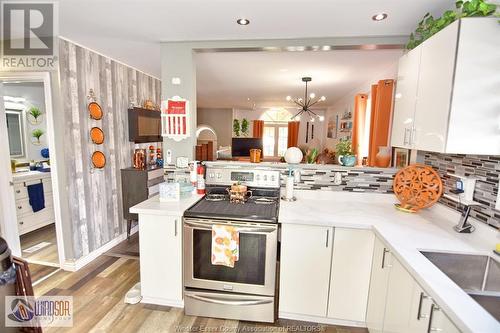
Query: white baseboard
[
  {"x": 320, "y": 320},
  {"x": 74, "y": 265},
  {"x": 164, "y": 302}
]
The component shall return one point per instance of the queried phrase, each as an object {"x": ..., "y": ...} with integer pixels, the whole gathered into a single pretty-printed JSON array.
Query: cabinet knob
[
  {"x": 19, "y": 207},
  {"x": 21, "y": 222},
  {"x": 18, "y": 191}
]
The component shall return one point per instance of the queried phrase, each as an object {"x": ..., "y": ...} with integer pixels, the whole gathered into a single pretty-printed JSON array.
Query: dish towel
[
  {"x": 225, "y": 245},
  {"x": 36, "y": 196}
]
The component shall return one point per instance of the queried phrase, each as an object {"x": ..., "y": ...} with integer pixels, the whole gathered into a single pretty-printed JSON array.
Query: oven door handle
[
  {"x": 228, "y": 302},
  {"x": 243, "y": 229}
]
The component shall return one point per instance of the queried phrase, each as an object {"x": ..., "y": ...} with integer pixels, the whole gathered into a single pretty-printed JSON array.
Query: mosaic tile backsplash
[{"x": 487, "y": 171}]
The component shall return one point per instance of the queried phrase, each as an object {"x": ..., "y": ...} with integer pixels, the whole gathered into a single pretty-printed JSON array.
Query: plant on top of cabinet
[
  {"x": 236, "y": 127},
  {"x": 345, "y": 153},
  {"x": 244, "y": 127},
  {"x": 430, "y": 25}
]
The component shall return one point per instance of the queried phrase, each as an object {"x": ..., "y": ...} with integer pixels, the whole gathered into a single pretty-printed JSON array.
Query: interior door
[
  {"x": 306, "y": 253},
  {"x": 7, "y": 199}
]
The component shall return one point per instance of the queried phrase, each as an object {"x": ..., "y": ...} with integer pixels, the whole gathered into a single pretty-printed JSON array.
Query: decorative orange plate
[
  {"x": 95, "y": 111},
  {"x": 417, "y": 186},
  {"x": 97, "y": 135},
  {"x": 98, "y": 159}
]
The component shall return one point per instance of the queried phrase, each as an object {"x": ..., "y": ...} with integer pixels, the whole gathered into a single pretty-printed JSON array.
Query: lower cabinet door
[
  {"x": 350, "y": 277},
  {"x": 306, "y": 253},
  {"x": 439, "y": 322},
  {"x": 398, "y": 309},
  {"x": 378, "y": 288},
  {"x": 161, "y": 279}
]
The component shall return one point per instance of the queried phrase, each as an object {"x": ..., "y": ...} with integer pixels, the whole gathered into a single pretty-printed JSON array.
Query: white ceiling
[
  {"x": 229, "y": 79},
  {"x": 130, "y": 30}
]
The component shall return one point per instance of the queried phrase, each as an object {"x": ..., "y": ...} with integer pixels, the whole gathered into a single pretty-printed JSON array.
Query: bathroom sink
[{"x": 477, "y": 275}]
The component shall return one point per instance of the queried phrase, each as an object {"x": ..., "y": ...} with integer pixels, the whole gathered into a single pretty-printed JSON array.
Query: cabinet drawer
[
  {"x": 153, "y": 190},
  {"x": 35, "y": 221},
  {"x": 23, "y": 206},
  {"x": 21, "y": 191},
  {"x": 155, "y": 173}
]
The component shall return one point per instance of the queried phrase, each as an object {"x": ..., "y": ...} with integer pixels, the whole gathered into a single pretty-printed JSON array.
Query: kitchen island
[{"x": 332, "y": 215}]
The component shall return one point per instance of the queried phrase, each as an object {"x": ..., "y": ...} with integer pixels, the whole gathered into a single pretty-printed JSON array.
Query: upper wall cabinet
[{"x": 447, "y": 96}]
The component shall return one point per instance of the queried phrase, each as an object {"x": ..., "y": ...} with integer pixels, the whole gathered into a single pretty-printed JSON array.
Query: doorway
[{"x": 31, "y": 222}]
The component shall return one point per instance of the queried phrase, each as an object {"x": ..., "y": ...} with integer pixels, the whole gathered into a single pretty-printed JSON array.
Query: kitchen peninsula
[{"x": 358, "y": 256}]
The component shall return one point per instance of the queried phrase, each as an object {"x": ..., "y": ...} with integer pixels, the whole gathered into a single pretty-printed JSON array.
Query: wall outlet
[{"x": 497, "y": 203}]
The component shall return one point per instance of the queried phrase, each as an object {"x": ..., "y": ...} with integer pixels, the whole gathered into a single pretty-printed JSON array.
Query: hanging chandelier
[{"x": 306, "y": 103}]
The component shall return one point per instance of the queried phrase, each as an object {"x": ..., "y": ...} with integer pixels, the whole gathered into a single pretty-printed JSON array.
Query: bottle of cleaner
[{"x": 193, "y": 172}]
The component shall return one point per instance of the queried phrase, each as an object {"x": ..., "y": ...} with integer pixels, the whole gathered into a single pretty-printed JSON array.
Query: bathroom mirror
[{"x": 15, "y": 131}]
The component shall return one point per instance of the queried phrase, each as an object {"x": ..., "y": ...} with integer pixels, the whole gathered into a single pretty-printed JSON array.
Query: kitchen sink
[{"x": 477, "y": 275}]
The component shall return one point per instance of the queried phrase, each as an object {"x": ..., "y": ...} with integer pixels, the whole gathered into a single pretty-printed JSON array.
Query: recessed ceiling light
[
  {"x": 379, "y": 17},
  {"x": 243, "y": 21}
]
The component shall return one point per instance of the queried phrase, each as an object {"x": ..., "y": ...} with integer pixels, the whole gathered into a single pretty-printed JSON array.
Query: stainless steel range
[{"x": 247, "y": 291}]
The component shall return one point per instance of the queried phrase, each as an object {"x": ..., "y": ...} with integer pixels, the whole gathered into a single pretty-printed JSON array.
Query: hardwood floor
[
  {"x": 126, "y": 249},
  {"x": 98, "y": 291},
  {"x": 47, "y": 255}
]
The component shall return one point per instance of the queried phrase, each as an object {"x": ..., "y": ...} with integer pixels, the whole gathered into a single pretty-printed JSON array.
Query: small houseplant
[
  {"x": 35, "y": 113},
  {"x": 345, "y": 153},
  {"x": 37, "y": 133},
  {"x": 429, "y": 25},
  {"x": 236, "y": 127},
  {"x": 244, "y": 127}
]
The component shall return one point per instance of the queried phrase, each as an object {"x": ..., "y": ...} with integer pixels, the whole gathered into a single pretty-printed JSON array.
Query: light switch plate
[{"x": 497, "y": 203}]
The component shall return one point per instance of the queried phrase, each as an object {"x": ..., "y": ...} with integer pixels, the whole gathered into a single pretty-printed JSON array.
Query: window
[{"x": 275, "y": 139}]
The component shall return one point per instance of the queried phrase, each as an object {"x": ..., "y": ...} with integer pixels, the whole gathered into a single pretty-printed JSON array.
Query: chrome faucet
[{"x": 464, "y": 226}]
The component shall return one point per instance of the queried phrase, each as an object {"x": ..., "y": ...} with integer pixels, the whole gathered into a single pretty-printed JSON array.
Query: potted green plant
[
  {"x": 345, "y": 153},
  {"x": 236, "y": 127},
  {"x": 429, "y": 25},
  {"x": 37, "y": 133},
  {"x": 35, "y": 113},
  {"x": 244, "y": 127}
]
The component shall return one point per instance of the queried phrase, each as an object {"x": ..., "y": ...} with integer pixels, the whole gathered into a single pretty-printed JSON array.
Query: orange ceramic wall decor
[
  {"x": 97, "y": 135},
  {"x": 358, "y": 128},
  {"x": 95, "y": 111},
  {"x": 417, "y": 186},
  {"x": 382, "y": 102},
  {"x": 98, "y": 159}
]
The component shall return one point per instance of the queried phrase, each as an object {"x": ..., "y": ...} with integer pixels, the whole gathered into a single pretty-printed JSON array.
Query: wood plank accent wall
[{"x": 94, "y": 196}]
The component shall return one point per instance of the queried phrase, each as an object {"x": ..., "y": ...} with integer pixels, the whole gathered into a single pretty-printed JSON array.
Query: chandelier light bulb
[
  {"x": 321, "y": 118},
  {"x": 300, "y": 99},
  {"x": 312, "y": 95},
  {"x": 323, "y": 98},
  {"x": 288, "y": 98},
  {"x": 312, "y": 120},
  {"x": 297, "y": 118}
]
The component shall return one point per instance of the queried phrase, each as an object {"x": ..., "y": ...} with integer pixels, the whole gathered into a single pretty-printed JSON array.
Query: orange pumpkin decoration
[{"x": 417, "y": 186}]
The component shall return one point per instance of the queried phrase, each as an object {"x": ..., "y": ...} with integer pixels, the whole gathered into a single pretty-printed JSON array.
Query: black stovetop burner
[{"x": 262, "y": 206}]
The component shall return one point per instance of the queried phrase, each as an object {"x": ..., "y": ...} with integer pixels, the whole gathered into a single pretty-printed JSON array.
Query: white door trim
[{"x": 10, "y": 230}]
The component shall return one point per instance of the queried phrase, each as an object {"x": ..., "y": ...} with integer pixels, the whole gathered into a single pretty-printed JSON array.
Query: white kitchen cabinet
[
  {"x": 439, "y": 322},
  {"x": 456, "y": 104},
  {"x": 378, "y": 287},
  {"x": 398, "y": 308},
  {"x": 405, "y": 99},
  {"x": 306, "y": 253},
  {"x": 350, "y": 274},
  {"x": 160, "y": 243},
  {"x": 435, "y": 84}
]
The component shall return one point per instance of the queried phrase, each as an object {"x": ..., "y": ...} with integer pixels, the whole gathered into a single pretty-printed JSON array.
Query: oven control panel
[{"x": 250, "y": 177}]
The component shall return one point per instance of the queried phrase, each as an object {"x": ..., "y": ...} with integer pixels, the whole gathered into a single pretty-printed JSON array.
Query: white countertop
[
  {"x": 405, "y": 234},
  {"x": 23, "y": 176},
  {"x": 153, "y": 206}
]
